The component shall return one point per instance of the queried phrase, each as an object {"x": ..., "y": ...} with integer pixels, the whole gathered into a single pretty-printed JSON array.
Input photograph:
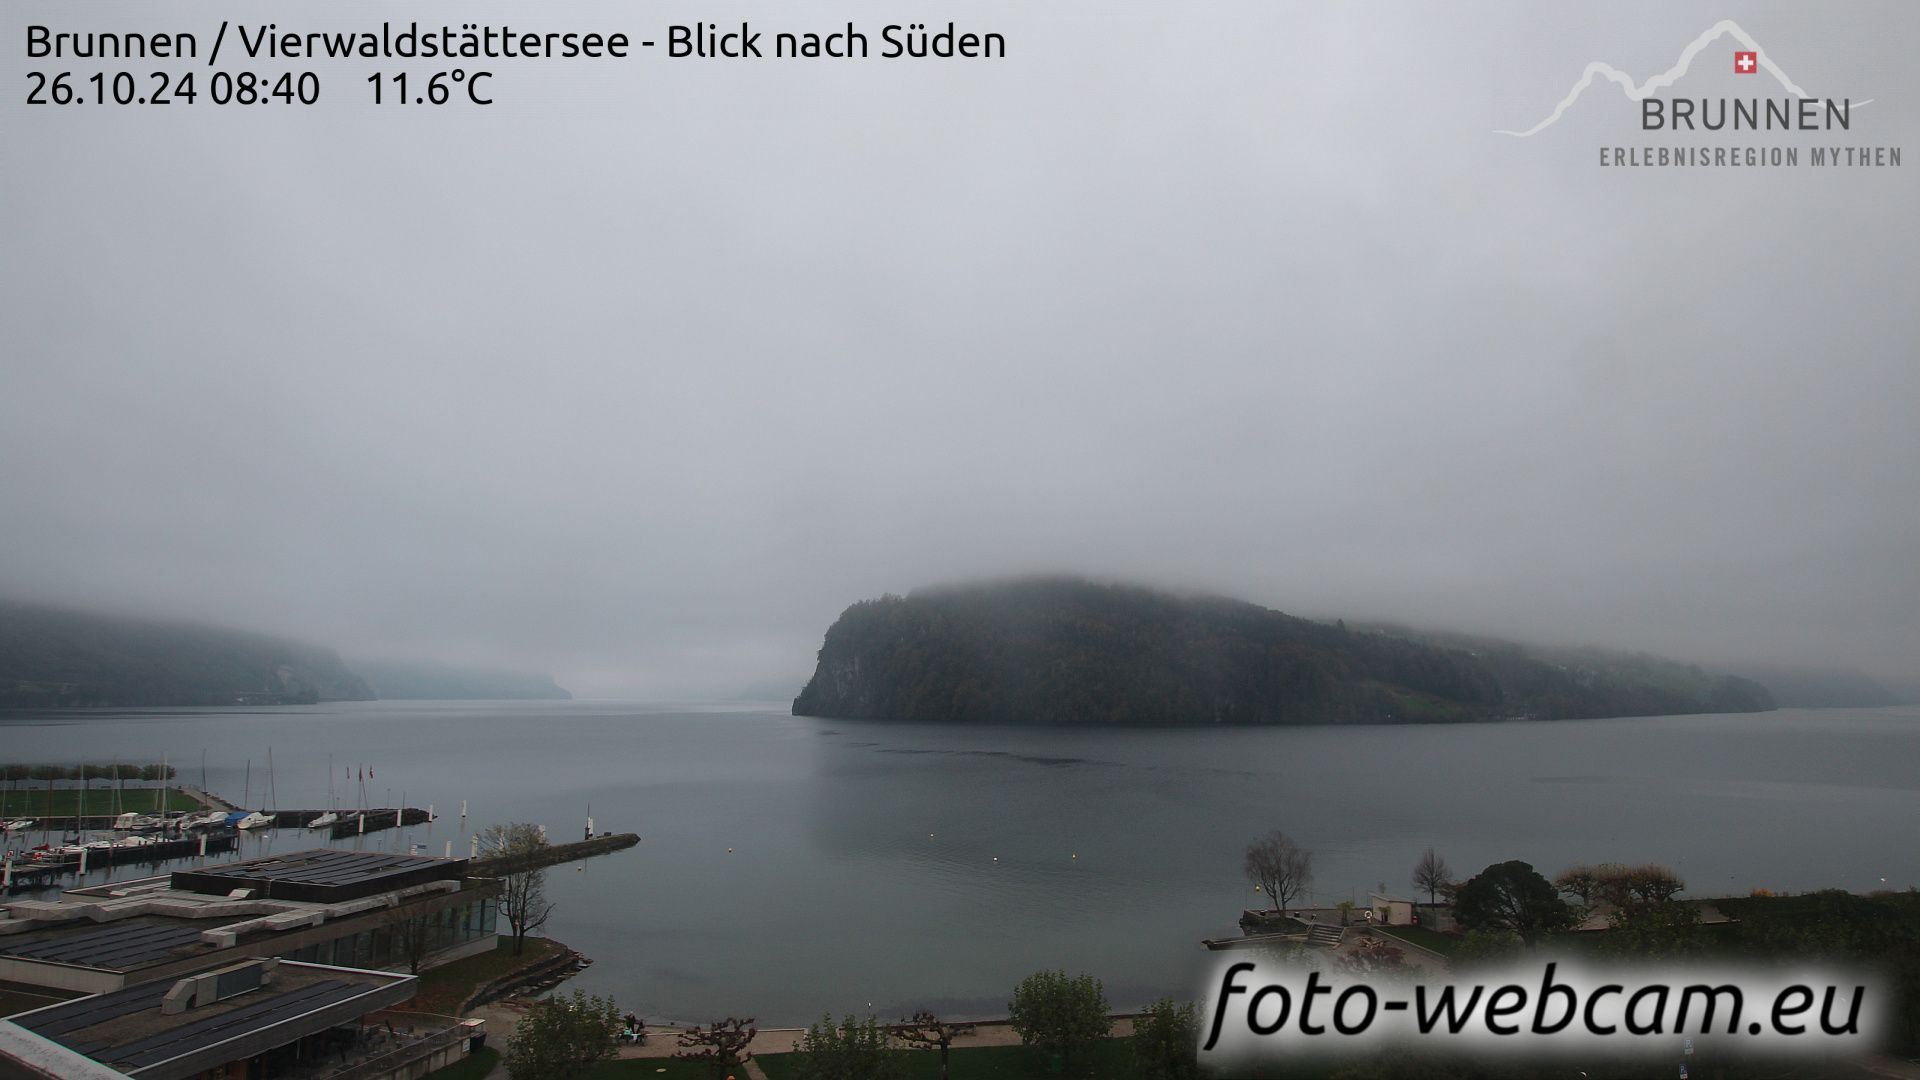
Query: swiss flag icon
[{"x": 1746, "y": 63}]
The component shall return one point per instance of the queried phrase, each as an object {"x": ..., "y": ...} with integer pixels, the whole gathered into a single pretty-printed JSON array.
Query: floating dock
[
  {"x": 366, "y": 821},
  {"x": 40, "y": 873}
]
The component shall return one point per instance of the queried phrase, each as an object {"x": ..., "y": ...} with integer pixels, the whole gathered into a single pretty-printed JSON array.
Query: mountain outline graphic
[{"x": 1637, "y": 92}]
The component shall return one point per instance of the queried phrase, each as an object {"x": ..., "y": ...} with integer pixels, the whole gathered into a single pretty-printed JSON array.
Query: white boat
[
  {"x": 256, "y": 820},
  {"x": 206, "y": 820},
  {"x": 333, "y": 804},
  {"x": 21, "y": 825}
]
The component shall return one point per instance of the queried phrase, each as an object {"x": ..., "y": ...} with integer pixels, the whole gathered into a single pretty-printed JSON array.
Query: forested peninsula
[{"x": 1059, "y": 651}]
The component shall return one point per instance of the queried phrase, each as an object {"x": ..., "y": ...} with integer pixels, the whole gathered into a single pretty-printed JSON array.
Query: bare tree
[
  {"x": 523, "y": 893},
  {"x": 720, "y": 1047},
  {"x": 1637, "y": 886},
  {"x": 928, "y": 1032},
  {"x": 413, "y": 935},
  {"x": 1581, "y": 882},
  {"x": 1430, "y": 873},
  {"x": 1281, "y": 868}
]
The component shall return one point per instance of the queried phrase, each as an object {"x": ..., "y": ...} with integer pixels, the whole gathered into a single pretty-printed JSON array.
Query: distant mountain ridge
[
  {"x": 53, "y": 657},
  {"x": 1797, "y": 687},
  {"x": 424, "y": 681},
  {"x": 1062, "y": 651}
]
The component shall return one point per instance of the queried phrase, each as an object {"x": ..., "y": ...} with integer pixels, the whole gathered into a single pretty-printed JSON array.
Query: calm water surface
[{"x": 793, "y": 866}]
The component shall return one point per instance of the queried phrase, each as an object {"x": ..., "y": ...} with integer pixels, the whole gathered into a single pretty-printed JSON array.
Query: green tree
[
  {"x": 1164, "y": 1041},
  {"x": 1511, "y": 896},
  {"x": 563, "y": 1037},
  {"x": 1485, "y": 948},
  {"x": 1662, "y": 931},
  {"x": 1060, "y": 1017},
  {"x": 850, "y": 1050}
]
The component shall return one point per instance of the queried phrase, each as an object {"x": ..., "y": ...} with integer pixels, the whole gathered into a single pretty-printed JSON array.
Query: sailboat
[
  {"x": 333, "y": 808},
  {"x": 255, "y": 819}
]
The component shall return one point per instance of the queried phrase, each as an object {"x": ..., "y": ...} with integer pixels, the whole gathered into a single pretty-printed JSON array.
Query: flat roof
[
  {"x": 127, "y": 1030},
  {"x": 114, "y": 946},
  {"x": 322, "y": 875}
]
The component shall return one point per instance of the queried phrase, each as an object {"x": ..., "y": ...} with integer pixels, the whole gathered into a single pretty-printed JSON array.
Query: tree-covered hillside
[
  {"x": 54, "y": 657},
  {"x": 1061, "y": 651}
]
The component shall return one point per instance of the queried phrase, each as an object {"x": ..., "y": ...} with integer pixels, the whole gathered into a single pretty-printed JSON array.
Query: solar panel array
[
  {"x": 256, "y": 1014},
  {"x": 320, "y": 873},
  {"x": 108, "y": 947}
]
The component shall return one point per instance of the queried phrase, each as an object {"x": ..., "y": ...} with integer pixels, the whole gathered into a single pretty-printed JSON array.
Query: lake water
[{"x": 794, "y": 866}]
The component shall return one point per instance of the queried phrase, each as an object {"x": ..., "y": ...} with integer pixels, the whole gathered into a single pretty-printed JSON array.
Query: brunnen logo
[{"x": 1675, "y": 119}]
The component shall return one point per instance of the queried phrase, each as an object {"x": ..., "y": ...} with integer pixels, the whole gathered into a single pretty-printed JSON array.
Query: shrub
[
  {"x": 1165, "y": 1039},
  {"x": 850, "y": 1050},
  {"x": 1060, "y": 1017},
  {"x": 563, "y": 1037}
]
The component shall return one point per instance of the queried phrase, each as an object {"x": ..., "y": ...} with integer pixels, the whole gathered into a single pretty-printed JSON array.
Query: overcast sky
[{"x": 643, "y": 374}]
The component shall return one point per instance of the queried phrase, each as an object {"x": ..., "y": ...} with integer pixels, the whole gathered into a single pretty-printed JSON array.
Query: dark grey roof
[
  {"x": 197, "y": 1034},
  {"x": 116, "y": 946},
  {"x": 127, "y": 1029},
  {"x": 322, "y": 874}
]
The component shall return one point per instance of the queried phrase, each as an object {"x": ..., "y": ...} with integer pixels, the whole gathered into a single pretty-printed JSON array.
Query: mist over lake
[{"x": 908, "y": 865}]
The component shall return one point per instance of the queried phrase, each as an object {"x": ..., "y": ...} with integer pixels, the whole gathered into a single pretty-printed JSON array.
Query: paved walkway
[{"x": 665, "y": 1041}]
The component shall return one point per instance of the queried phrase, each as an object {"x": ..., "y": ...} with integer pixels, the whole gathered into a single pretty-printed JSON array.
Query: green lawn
[
  {"x": 653, "y": 1069},
  {"x": 63, "y": 802},
  {"x": 444, "y": 988},
  {"x": 474, "y": 1066},
  {"x": 1420, "y": 935}
]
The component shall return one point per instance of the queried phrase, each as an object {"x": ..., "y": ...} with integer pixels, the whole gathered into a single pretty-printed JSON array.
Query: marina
[
  {"x": 37, "y": 870},
  {"x": 845, "y": 834}
]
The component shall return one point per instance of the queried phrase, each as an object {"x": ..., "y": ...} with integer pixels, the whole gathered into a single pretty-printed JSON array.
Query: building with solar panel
[{"x": 289, "y": 965}]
